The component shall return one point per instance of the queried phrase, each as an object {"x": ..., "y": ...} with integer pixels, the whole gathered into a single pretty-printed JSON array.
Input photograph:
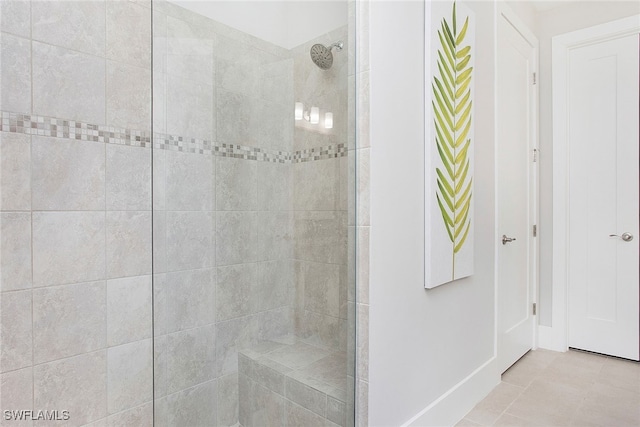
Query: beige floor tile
[
  {"x": 490, "y": 409},
  {"x": 507, "y": 420},
  {"x": 467, "y": 423},
  {"x": 547, "y": 403},
  {"x": 608, "y": 406},
  {"x": 524, "y": 371},
  {"x": 619, "y": 373}
]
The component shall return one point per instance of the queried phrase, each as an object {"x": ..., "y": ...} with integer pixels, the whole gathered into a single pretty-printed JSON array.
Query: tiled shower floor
[{"x": 550, "y": 389}]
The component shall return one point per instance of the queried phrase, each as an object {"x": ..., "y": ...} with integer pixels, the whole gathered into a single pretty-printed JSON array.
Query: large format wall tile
[
  {"x": 236, "y": 184},
  {"x": 274, "y": 286},
  {"x": 15, "y": 171},
  {"x": 128, "y": 243},
  {"x": 320, "y": 285},
  {"x": 235, "y": 289},
  {"x": 227, "y": 400},
  {"x": 128, "y": 178},
  {"x": 140, "y": 416},
  {"x": 190, "y": 358},
  {"x": 275, "y": 236},
  {"x": 15, "y": 251},
  {"x": 231, "y": 336},
  {"x": 129, "y": 375},
  {"x": 70, "y": 24},
  {"x": 320, "y": 236},
  {"x": 15, "y": 331},
  {"x": 68, "y": 320},
  {"x": 68, "y": 247},
  {"x": 195, "y": 406},
  {"x": 16, "y": 17},
  {"x": 128, "y": 309},
  {"x": 16, "y": 73},
  {"x": 67, "y": 174},
  {"x": 189, "y": 182},
  {"x": 190, "y": 108},
  {"x": 234, "y": 117},
  {"x": 77, "y": 384},
  {"x": 128, "y": 95},
  {"x": 190, "y": 241},
  {"x": 68, "y": 84},
  {"x": 274, "y": 186},
  {"x": 316, "y": 185},
  {"x": 236, "y": 237},
  {"x": 129, "y": 33},
  {"x": 190, "y": 299},
  {"x": 16, "y": 389}
]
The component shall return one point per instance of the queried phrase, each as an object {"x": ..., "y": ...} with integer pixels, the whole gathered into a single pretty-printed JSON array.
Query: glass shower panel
[{"x": 250, "y": 212}]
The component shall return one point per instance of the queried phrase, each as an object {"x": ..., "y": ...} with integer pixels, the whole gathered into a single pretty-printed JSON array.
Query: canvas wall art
[{"x": 449, "y": 141}]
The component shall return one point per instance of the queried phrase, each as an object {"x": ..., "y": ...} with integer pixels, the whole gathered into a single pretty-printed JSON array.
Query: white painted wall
[
  {"x": 286, "y": 23},
  {"x": 566, "y": 18},
  {"x": 424, "y": 342}
]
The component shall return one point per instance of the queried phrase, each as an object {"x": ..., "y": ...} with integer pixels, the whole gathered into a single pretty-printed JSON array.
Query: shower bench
[{"x": 292, "y": 383}]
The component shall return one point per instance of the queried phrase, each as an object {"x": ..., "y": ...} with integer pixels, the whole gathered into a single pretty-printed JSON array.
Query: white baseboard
[
  {"x": 453, "y": 405},
  {"x": 551, "y": 339}
]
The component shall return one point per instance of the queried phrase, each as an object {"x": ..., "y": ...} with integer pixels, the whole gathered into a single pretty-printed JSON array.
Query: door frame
[
  {"x": 556, "y": 337},
  {"x": 505, "y": 12}
]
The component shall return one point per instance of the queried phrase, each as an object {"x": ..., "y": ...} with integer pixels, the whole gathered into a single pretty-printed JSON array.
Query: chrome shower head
[{"x": 322, "y": 55}]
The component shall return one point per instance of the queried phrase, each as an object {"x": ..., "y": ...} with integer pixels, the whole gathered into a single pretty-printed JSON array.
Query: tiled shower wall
[
  {"x": 249, "y": 213},
  {"x": 223, "y": 236},
  {"x": 76, "y": 210},
  {"x": 320, "y": 199}
]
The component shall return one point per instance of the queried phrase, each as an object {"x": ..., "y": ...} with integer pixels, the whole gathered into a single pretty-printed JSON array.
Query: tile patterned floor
[{"x": 551, "y": 389}]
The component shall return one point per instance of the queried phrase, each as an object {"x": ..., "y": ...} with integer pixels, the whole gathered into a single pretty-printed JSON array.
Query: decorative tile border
[{"x": 50, "y": 126}]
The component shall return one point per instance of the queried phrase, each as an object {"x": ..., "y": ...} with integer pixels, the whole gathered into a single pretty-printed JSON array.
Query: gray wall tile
[
  {"x": 58, "y": 385},
  {"x": 128, "y": 94},
  {"x": 67, "y": 174},
  {"x": 15, "y": 170},
  {"x": 236, "y": 237},
  {"x": 129, "y": 375},
  {"x": 16, "y": 17},
  {"x": 228, "y": 400},
  {"x": 16, "y": 331},
  {"x": 128, "y": 243},
  {"x": 128, "y": 33},
  {"x": 128, "y": 178},
  {"x": 68, "y": 320},
  {"x": 68, "y": 84},
  {"x": 274, "y": 186},
  {"x": 190, "y": 297},
  {"x": 16, "y": 388},
  {"x": 231, "y": 336},
  {"x": 190, "y": 241},
  {"x": 70, "y": 24},
  {"x": 16, "y": 72},
  {"x": 189, "y": 182},
  {"x": 190, "y": 108},
  {"x": 141, "y": 416},
  {"x": 190, "y": 358},
  {"x": 68, "y": 247},
  {"x": 275, "y": 236},
  {"x": 316, "y": 185},
  {"x": 234, "y": 290},
  {"x": 128, "y": 310},
  {"x": 195, "y": 406},
  {"x": 15, "y": 251},
  {"x": 236, "y": 184}
]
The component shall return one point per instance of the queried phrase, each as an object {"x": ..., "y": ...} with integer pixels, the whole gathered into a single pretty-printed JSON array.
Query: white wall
[
  {"x": 566, "y": 18},
  {"x": 286, "y": 23},
  {"x": 423, "y": 343}
]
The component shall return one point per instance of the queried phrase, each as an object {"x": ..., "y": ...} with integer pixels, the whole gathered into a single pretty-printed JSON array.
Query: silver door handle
[
  {"x": 627, "y": 237},
  {"x": 506, "y": 239}
]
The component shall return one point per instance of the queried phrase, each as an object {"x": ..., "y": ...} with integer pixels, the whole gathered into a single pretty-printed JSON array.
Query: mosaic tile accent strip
[
  {"x": 50, "y": 126},
  {"x": 54, "y": 127},
  {"x": 320, "y": 153}
]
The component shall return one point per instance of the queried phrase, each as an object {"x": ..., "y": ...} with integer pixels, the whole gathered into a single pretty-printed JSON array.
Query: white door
[
  {"x": 516, "y": 189},
  {"x": 603, "y": 197}
]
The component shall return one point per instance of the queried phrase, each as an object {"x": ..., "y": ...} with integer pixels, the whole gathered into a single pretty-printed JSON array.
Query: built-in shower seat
[{"x": 292, "y": 383}]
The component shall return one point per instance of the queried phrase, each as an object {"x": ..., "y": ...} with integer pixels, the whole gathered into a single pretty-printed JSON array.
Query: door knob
[
  {"x": 506, "y": 239},
  {"x": 626, "y": 236}
]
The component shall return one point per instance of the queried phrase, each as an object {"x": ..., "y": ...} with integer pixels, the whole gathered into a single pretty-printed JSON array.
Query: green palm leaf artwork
[{"x": 452, "y": 111}]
